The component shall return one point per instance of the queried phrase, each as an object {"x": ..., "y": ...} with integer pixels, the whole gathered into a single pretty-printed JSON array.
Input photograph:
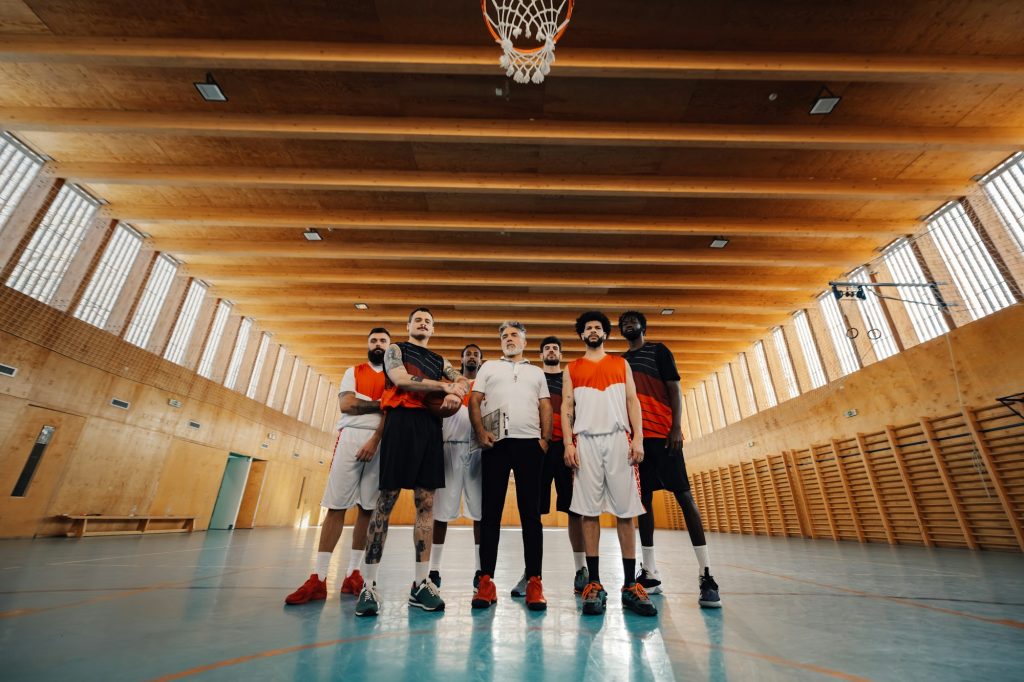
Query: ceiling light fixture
[
  {"x": 312, "y": 235},
  {"x": 719, "y": 243},
  {"x": 825, "y": 102},
  {"x": 210, "y": 90},
  {"x": 361, "y": 306},
  {"x": 667, "y": 311}
]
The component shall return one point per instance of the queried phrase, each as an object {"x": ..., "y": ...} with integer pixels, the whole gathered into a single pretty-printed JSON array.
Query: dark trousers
[{"x": 525, "y": 458}]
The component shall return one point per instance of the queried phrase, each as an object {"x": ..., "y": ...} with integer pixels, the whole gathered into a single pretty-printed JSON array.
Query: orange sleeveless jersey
[{"x": 368, "y": 382}]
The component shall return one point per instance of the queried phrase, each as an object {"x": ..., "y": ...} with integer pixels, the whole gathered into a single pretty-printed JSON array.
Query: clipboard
[{"x": 496, "y": 422}]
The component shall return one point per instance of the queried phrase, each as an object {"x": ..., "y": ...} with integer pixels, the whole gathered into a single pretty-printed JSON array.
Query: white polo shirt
[{"x": 517, "y": 387}]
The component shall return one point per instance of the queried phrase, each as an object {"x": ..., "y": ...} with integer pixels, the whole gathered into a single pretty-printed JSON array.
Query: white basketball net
[{"x": 542, "y": 20}]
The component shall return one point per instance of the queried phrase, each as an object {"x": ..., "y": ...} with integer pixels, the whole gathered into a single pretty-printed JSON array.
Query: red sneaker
[
  {"x": 486, "y": 593},
  {"x": 353, "y": 584},
  {"x": 313, "y": 589},
  {"x": 535, "y": 600}
]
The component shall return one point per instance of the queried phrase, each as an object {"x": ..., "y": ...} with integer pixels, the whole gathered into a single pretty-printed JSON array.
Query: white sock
[
  {"x": 369, "y": 572},
  {"x": 435, "y": 557},
  {"x": 422, "y": 569},
  {"x": 323, "y": 564},
  {"x": 649, "y": 563},
  {"x": 355, "y": 559},
  {"x": 477, "y": 557},
  {"x": 702, "y": 558},
  {"x": 580, "y": 558}
]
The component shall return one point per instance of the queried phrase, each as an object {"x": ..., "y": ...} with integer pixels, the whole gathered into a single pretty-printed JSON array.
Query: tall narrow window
[
  {"x": 241, "y": 343},
  {"x": 810, "y": 349},
  {"x": 304, "y": 395},
  {"x": 734, "y": 403},
  {"x": 18, "y": 168},
  {"x": 48, "y": 255},
  {"x": 766, "y": 376},
  {"x": 706, "y": 403},
  {"x": 786, "y": 362},
  {"x": 289, "y": 395},
  {"x": 220, "y": 319},
  {"x": 276, "y": 379},
  {"x": 719, "y": 405},
  {"x": 186, "y": 322},
  {"x": 153, "y": 296},
  {"x": 837, "y": 329},
  {"x": 878, "y": 332},
  {"x": 109, "y": 277},
  {"x": 922, "y": 308},
  {"x": 257, "y": 368},
  {"x": 982, "y": 287},
  {"x": 696, "y": 414},
  {"x": 1005, "y": 189},
  {"x": 748, "y": 384}
]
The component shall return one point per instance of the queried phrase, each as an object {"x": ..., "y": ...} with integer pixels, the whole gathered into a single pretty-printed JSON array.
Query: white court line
[{"x": 126, "y": 556}]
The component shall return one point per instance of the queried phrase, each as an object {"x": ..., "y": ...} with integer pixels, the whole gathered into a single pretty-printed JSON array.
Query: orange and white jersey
[
  {"x": 599, "y": 394},
  {"x": 367, "y": 382}
]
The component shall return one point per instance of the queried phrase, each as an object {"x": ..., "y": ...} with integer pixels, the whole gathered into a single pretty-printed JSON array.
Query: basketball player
[
  {"x": 600, "y": 406},
  {"x": 663, "y": 466},
  {"x": 462, "y": 483},
  {"x": 353, "y": 479},
  {"x": 513, "y": 393},
  {"x": 411, "y": 456}
]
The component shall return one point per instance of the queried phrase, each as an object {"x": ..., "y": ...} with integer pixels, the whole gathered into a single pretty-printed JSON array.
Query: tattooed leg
[
  {"x": 423, "y": 535},
  {"x": 377, "y": 533}
]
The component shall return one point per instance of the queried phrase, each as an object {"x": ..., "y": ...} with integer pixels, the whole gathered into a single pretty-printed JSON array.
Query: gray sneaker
[
  {"x": 594, "y": 599},
  {"x": 426, "y": 596},
  {"x": 369, "y": 601},
  {"x": 581, "y": 580},
  {"x": 520, "y": 589}
]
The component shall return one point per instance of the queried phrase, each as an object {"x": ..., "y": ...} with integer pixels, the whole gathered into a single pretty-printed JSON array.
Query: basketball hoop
[{"x": 542, "y": 20}]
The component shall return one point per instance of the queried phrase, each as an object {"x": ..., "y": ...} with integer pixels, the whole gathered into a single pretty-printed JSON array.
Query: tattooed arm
[
  {"x": 350, "y": 404},
  {"x": 401, "y": 378},
  {"x": 453, "y": 375}
]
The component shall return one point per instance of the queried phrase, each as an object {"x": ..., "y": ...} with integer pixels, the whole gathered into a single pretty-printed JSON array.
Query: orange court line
[{"x": 1008, "y": 622}]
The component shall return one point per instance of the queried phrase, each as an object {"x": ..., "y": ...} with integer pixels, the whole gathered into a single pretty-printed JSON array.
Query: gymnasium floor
[{"x": 210, "y": 607}]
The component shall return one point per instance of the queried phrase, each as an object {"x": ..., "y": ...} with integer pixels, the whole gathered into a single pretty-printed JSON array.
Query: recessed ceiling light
[
  {"x": 361, "y": 306},
  {"x": 719, "y": 243},
  {"x": 826, "y": 102},
  {"x": 210, "y": 90},
  {"x": 667, "y": 311},
  {"x": 312, "y": 235}
]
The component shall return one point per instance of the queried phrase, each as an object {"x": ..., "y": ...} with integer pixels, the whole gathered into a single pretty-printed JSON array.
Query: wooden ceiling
[{"x": 389, "y": 126}]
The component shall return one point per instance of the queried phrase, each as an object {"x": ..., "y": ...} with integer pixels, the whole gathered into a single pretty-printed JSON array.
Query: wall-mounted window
[
  {"x": 276, "y": 379},
  {"x": 879, "y": 333},
  {"x": 18, "y": 168},
  {"x": 109, "y": 277},
  {"x": 1004, "y": 187},
  {"x": 220, "y": 320},
  {"x": 838, "y": 330},
  {"x": 716, "y": 389},
  {"x": 46, "y": 259},
  {"x": 730, "y": 386},
  {"x": 152, "y": 300},
  {"x": 982, "y": 287},
  {"x": 810, "y": 349},
  {"x": 257, "y": 368},
  {"x": 705, "y": 402},
  {"x": 186, "y": 322},
  {"x": 748, "y": 384},
  {"x": 922, "y": 308},
  {"x": 241, "y": 343},
  {"x": 786, "y": 362},
  {"x": 766, "y": 376}
]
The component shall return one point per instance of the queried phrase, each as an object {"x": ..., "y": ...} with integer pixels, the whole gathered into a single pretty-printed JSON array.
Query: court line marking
[
  {"x": 1007, "y": 622},
  {"x": 125, "y": 556},
  {"x": 271, "y": 653}
]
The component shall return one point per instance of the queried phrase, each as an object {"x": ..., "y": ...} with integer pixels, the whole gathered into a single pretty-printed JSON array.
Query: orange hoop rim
[{"x": 528, "y": 50}]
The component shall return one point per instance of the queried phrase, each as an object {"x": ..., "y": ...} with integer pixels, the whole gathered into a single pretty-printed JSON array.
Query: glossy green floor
[{"x": 210, "y": 607}]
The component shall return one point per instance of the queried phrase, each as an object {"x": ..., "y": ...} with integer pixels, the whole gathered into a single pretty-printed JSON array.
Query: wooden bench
[{"x": 85, "y": 525}]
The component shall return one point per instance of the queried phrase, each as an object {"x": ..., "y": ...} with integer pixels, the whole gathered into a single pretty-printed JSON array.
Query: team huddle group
[{"x": 605, "y": 430}]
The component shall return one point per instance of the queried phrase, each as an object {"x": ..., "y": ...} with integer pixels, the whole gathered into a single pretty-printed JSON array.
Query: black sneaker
[
  {"x": 709, "y": 598},
  {"x": 435, "y": 577},
  {"x": 650, "y": 580},
  {"x": 476, "y": 579}
]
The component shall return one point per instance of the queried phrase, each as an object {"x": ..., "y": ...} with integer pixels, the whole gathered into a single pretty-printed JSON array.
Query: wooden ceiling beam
[
  {"x": 219, "y": 251},
  {"x": 502, "y": 183},
  {"x": 479, "y": 131},
  {"x": 344, "y": 335},
  {"x": 482, "y": 59},
  {"x": 253, "y": 217}
]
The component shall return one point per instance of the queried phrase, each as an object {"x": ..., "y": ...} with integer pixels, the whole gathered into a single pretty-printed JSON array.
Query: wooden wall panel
[{"x": 189, "y": 481}]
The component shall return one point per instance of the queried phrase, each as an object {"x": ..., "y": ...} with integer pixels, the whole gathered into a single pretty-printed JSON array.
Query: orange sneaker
[
  {"x": 313, "y": 589},
  {"x": 486, "y": 593},
  {"x": 535, "y": 600},
  {"x": 353, "y": 584}
]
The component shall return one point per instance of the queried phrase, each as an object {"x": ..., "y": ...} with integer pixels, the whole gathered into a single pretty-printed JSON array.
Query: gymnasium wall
[{"x": 144, "y": 460}]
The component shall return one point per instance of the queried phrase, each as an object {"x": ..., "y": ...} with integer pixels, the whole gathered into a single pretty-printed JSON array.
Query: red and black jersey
[
  {"x": 419, "y": 362},
  {"x": 555, "y": 389},
  {"x": 653, "y": 365}
]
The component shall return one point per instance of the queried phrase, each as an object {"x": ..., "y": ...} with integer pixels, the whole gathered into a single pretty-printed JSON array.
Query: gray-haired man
[{"x": 511, "y": 414}]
